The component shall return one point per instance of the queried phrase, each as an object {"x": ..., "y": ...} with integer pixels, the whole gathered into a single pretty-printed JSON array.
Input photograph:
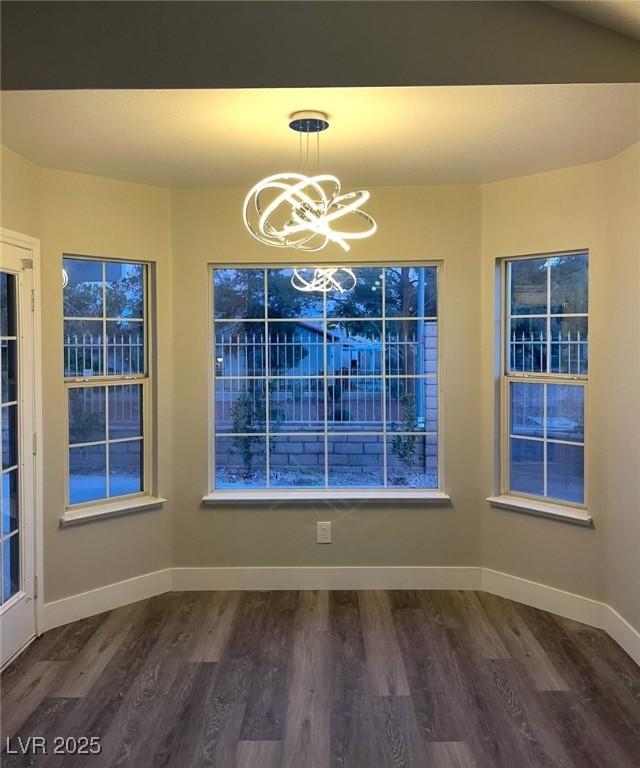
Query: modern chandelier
[{"x": 295, "y": 210}]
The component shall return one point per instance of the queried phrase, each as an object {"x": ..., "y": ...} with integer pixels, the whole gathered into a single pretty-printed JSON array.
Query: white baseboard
[
  {"x": 568, "y": 604},
  {"x": 623, "y": 633},
  {"x": 385, "y": 577},
  {"x": 546, "y": 598},
  {"x": 106, "y": 598}
]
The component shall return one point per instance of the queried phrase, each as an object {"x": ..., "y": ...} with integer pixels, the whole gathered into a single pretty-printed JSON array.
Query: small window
[
  {"x": 335, "y": 390},
  {"x": 545, "y": 371},
  {"x": 106, "y": 377}
]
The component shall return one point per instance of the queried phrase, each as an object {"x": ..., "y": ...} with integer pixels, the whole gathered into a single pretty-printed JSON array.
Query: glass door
[{"x": 17, "y": 577}]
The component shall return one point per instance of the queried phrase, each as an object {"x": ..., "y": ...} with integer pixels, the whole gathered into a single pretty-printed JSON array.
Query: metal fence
[
  {"x": 305, "y": 353},
  {"x": 530, "y": 353},
  {"x": 351, "y": 392},
  {"x": 84, "y": 355}
]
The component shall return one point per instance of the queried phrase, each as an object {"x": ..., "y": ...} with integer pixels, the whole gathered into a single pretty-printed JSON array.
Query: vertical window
[
  {"x": 106, "y": 377},
  {"x": 325, "y": 390},
  {"x": 546, "y": 365}
]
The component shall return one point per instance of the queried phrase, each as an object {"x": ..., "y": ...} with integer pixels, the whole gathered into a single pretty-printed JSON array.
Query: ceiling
[
  {"x": 618, "y": 15},
  {"x": 378, "y": 136}
]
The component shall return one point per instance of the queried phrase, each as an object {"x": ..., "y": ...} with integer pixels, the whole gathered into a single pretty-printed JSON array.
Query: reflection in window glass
[{"x": 326, "y": 391}]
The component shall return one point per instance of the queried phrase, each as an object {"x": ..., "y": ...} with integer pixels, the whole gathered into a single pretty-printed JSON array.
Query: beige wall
[
  {"x": 467, "y": 228},
  {"x": 80, "y": 214},
  {"x": 595, "y": 207},
  {"x": 622, "y": 415},
  {"x": 441, "y": 223}
]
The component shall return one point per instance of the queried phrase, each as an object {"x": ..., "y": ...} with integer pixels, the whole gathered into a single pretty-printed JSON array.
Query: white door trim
[{"x": 32, "y": 246}]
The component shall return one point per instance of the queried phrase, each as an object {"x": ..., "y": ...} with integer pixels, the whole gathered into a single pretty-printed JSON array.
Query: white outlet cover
[{"x": 323, "y": 533}]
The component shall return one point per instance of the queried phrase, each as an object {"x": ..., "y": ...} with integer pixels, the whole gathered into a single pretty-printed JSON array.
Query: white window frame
[
  {"x": 324, "y": 492},
  {"x": 544, "y": 505},
  {"x": 147, "y": 498}
]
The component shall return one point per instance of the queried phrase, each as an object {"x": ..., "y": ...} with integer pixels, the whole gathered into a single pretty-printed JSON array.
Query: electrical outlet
[{"x": 323, "y": 532}]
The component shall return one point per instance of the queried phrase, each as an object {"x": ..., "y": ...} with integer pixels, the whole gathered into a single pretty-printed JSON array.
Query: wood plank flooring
[{"x": 326, "y": 680}]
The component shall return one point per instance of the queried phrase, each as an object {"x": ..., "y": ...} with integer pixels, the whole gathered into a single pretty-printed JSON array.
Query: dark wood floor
[{"x": 318, "y": 679}]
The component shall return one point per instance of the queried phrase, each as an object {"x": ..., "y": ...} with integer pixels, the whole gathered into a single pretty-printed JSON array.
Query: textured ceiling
[{"x": 416, "y": 135}]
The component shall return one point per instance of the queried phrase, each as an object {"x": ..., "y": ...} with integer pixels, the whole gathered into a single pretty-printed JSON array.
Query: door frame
[{"x": 31, "y": 246}]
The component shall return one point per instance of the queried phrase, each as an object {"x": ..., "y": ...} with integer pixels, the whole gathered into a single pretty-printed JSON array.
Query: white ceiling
[{"x": 378, "y": 136}]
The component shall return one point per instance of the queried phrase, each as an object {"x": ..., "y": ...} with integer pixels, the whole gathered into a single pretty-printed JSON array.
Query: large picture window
[
  {"x": 325, "y": 390},
  {"x": 546, "y": 364},
  {"x": 106, "y": 376}
]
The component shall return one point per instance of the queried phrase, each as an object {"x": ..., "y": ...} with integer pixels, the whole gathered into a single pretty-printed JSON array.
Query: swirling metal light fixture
[{"x": 293, "y": 210}]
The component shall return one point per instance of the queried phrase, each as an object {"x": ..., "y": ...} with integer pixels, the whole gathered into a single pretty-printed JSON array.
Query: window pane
[
  {"x": 239, "y": 349},
  {"x": 288, "y": 302},
  {"x": 354, "y": 401},
  {"x": 296, "y": 348},
  {"x": 412, "y": 404},
  {"x": 527, "y": 471},
  {"x": 238, "y": 293},
  {"x": 9, "y": 436},
  {"x": 83, "y": 348},
  {"x": 527, "y": 349},
  {"x": 7, "y": 305},
  {"x": 240, "y": 405},
  {"x": 296, "y": 405},
  {"x": 363, "y": 300},
  {"x": 569, "y": 284},
  {"x": 412, "y": 461},
  {"x": 125, "y": 411},
  {"x": 527, "y": 409},
  {"x": 125, "y": 348},
  {"x": 10, "y": 567},
  {"x": 240, "y": 462},
  {"x": 83, "y": 291},
  {"x": 86, "y": 414},
  {"x": 9, "y": 491},
  {"x": 87, "y": 474},
  {"x": 411, "y": 347},
  {"x": 125, "y": 468},
  {"x": 565, "y": 412},
  {"x": 296, "y": 462},
  {"x": 124, "y": 289},
  {"x": 8, "y": 371},
  {"x": 411, "y": 291},
  {"x": 569, "y": 345},
  {"x": 528, "y": 286},
  {"x": 565, "y": 472},
  {"x": 355, "y": 461},
  {"x": 354, "y": 348}
]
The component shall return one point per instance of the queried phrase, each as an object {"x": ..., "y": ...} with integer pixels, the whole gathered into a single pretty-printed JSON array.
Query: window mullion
[
  {"x": 383, "y": 362},
  {"x": 267, "y": 383},
  {"x": 325, "y": 389}
]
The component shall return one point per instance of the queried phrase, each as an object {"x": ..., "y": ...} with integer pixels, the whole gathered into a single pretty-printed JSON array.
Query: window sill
[
  {"x": 110, "y": 509},
  {"x": 542, "y": 509},
  {"x": 323, "y": 494}
]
